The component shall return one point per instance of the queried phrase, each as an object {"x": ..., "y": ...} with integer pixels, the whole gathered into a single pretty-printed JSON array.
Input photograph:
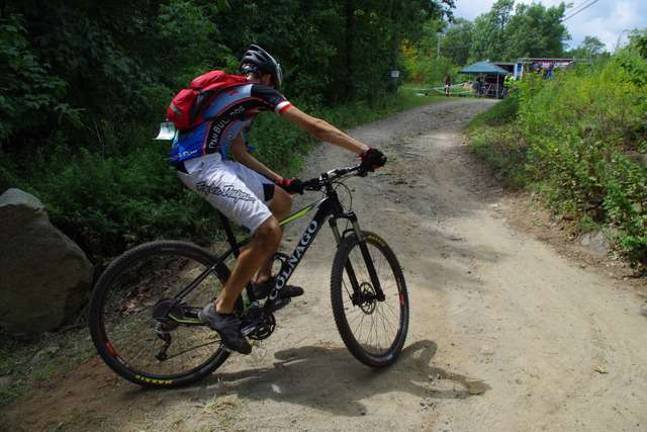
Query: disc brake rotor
[{"x": 368, "y": 299}]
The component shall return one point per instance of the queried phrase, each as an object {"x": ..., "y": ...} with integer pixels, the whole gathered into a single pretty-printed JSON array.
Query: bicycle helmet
[{"x": 256, "y": 59}]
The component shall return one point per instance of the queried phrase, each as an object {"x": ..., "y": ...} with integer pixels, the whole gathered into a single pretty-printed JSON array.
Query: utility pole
[{"x": 438, "y": 46}]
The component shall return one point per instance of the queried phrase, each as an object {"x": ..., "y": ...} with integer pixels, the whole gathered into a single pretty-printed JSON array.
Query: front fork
[{"x": 375, "y": 281}]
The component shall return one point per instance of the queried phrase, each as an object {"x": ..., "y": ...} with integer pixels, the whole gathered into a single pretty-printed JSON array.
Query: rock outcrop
[{"x": 44, "y": 276}]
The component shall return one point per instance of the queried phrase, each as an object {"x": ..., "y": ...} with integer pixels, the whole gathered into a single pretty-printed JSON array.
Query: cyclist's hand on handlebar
[
  {"x": 372, "y": 159},
  {"x": 292, "y": 186}
]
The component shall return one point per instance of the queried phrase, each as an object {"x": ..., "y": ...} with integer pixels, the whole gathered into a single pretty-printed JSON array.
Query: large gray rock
[{"x": 44, "y": 276}]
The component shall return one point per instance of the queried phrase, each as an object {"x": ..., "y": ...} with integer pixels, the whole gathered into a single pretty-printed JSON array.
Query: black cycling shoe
[
  {"x": 228, "y": 326},
  {"x": 262, "y": 290}
]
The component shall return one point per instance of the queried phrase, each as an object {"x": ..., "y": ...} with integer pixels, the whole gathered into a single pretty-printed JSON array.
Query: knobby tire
[
  {"x": 391, "y": 279},
  {"x": 110, "y": 278}
]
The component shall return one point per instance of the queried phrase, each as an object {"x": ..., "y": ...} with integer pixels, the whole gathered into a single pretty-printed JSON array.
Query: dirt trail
[{"x": 506, "y": 335}]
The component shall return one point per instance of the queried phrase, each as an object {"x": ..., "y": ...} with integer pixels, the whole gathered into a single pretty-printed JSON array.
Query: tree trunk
[{"x": 350, "y": 34}]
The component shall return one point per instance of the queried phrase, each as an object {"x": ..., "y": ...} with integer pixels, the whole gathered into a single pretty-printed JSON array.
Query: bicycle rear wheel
[
  {"x": 138, "y": 327},
  {"x": 374, "y": 331}
]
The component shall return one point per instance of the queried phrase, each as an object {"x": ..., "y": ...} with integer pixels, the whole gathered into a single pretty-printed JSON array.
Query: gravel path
[{"x": 505, "y": 335}]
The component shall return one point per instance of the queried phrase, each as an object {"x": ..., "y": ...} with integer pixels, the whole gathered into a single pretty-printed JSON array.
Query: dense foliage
[
  {"x": 581, "y": 140},
  {"x": 84, "y": 84}
]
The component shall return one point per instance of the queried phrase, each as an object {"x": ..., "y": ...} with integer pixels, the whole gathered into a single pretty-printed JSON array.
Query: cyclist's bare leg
[
  {"x": 262, "y": 247},
  {"x": 280, "y": 206}
]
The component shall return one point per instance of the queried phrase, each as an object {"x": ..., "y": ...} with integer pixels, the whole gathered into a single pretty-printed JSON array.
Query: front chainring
[{"x": 258, "y": 324}]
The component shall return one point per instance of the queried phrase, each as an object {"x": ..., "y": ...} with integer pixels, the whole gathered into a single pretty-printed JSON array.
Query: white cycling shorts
[{"x": 233, "y": 189}]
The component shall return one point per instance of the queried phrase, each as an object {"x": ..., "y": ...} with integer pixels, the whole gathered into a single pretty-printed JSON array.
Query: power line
[
  {"x": 578, "y": 7},
  {"x": 581, "y": 9},
  {"x": 574, "y": 12}
]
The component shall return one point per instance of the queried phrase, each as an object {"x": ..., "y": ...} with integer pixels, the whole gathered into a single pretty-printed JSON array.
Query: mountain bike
[{"x": 144, "y": 308}]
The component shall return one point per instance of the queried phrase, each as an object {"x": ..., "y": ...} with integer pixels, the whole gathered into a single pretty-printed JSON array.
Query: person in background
[
  {"x": 448, "y": 84},
  {"x": 549, "y": 72},
  {"x": 478, "y": 85}
]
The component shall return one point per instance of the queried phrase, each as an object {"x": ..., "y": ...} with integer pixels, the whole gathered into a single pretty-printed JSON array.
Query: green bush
[
  {"x": 504, "y": 149},
  {"x": 108, "y": 204},
  {"x": 572, "y": 138}
]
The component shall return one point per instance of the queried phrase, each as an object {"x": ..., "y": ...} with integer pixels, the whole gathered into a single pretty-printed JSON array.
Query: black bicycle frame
[{"x": 328, "y": 208}]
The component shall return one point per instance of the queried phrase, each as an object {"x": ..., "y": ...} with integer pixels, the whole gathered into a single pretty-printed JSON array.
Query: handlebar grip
[{"x": 312, "y": 184}]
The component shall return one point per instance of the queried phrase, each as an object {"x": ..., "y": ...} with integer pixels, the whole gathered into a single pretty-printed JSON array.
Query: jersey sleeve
[{"x": 271, "y": 98}]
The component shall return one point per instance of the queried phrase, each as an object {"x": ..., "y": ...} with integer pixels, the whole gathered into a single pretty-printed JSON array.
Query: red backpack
[{"x": 185, "y": 110}]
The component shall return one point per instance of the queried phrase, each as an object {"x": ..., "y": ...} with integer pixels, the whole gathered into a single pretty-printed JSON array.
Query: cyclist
[{"x": 244, "y": 189}]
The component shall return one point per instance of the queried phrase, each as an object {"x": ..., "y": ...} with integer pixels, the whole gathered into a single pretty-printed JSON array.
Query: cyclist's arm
[
  {"x": 243, "y": 156},
  {"x": 322, "y": 130}
]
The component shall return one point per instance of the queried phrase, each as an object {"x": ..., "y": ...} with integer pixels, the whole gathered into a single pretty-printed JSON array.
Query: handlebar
[{"x": 328, "y": 177}]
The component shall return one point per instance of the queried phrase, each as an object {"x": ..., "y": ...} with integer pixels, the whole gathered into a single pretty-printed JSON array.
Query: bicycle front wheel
[
  {"x": 139, "y": 326},
  {"x": 373, "y": 330}
]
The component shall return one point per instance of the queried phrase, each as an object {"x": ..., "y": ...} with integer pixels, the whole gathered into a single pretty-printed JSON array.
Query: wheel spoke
[{"x": 193, "y": 349}]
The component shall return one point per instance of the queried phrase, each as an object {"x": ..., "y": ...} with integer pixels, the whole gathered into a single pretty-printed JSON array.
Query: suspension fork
[{"x": 375, "y": 281}]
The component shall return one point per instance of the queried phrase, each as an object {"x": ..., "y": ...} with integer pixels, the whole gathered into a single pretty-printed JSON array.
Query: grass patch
[
  {"x": 409, "y": 97},
  {"x": 503, "y": 112}
]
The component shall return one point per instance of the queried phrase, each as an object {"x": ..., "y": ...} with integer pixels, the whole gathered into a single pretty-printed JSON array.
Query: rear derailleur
[{"x": 166, "y": 313}]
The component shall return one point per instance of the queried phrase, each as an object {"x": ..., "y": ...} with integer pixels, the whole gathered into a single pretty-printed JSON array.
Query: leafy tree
[
  {"x": 535, "y": 31},
  {"x": 106, "y": 67},
  {"x": 590, "y": 49},
  {"x": 592, "y": 46},
  {"x": 488, "y": 39},
  {"x": 333, "y": 50},
  {"x": 457, "y": 40},
  {"x": 27, "y": 84},
  {"x": 531, "y": 31}
]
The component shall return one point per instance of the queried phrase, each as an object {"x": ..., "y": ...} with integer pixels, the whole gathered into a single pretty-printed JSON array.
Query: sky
[{"x": 608, "y": 20}]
